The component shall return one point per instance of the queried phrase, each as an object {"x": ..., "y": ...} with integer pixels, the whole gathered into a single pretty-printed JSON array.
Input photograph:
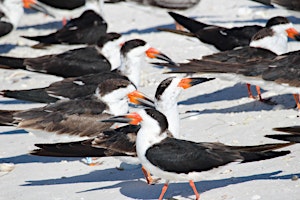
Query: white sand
[{"x": 223, "y": 113}]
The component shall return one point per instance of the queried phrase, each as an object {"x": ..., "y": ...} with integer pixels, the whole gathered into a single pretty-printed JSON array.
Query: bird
[
  {"x": 174, "y": 159},
  {"x": 132, "y": 56},
  {"x": 267, "y": 46},
  {"x": 85, "y": 29},
  {"x": 121, "y": 141},
  {"x": 286, "y": 4},
  {"x": 223, "y": 38},
  {"x": 11, "y": 12},
  {"x": 77, "y": 117},
  {"x": 105, "y": 56},
  {"x": 294, "y": 135}
]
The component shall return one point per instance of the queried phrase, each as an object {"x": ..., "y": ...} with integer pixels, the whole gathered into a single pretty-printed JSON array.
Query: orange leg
[
  {"x": 297, "y": 99},
  {"x": 163, "y": 191},
  {"x": 192, "y": 184},
  {"x": 249, "y": 91},
  {"x": 259, "y": 93},
  {"x": 179, "y": 27},
  {"x": 147, "y": 175},
  {"x": 64, "y": 21}
]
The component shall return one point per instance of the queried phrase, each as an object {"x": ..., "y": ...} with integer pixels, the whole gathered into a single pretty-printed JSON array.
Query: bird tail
[
  {"x": 257, "y": 156},
  {"x": 45, "y": 39},
  {"x": 294, "y": 135},
  {"x": 7, "y": 117},
  {"x": 34, "y": 95},
  {"x": 262, "y": 152},
  {"x": 285, "y": 137},
  {"x": 265, "y": 2},
  {"x": 290, "y": 129},
  {"x": 71, "y": 149},
  {"x": 202, "y": 66},
  {"x": 11, "y": 63},
  {"x": 190, "y": 24}
]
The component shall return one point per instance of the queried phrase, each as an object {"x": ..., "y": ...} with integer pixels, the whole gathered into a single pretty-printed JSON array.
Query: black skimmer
[
  {"x": 181, "y": 160},
  {"x": 225, "y": 38},
  {"x": 287, "y": 4},
  {"x": 11, "y": 12},
  {"x": 265, "y": 48},
  {"x": 85, "y": 29},
  {"x": 79, "y": 117},
  {"x": 121, "y": 141},
  {"x": 294, "y": 135},
  {"x": 132, "y": 56},
  {"x": 77, "y": 62}
]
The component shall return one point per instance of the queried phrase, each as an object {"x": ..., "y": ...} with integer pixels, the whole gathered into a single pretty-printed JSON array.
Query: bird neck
[
  {"x": 131, "y": 68},
  {"x": 147, "y": 136},
  {"x": 118, "y": 107},
  {"x": 170, "y": 110},
  {"x": 13, "y": 11},
  {"x": 112, "y": 52}
]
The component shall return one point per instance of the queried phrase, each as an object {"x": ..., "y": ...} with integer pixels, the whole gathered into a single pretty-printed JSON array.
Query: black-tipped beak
[
  {"x": 297, "y": 37},
  {"x": 190, "y": 82},
  {"x": 131, "y": 118},
  {"x": 118, "y": 119},
  {"x": 162, "y": 56},
  {"x": 154, "y": 53},
  {"x": 139, "y": 98},
  {"x": 35, "y": 5}
]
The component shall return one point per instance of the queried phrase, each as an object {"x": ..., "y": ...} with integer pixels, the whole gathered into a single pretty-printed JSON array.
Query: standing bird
[
  {"x": 132, "y": 57},
  {"x": 181, "y": 160},
  {"x": 121, "y": 141},
  {"x": 103, "y": 57},
  {"x": 249, "y": 61},
  {"x": 224, "y": 38}
]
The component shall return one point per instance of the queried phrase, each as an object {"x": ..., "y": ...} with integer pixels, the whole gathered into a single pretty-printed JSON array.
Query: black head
[
  {"x": 108, "y": 38},
  {"x": 159, "y": 117},
  {"x": 276, "y": 21},
  {"x": 162, "y": 87},
  {"x": 113, "y": 84},
  {"x": 131, "y": 44}
]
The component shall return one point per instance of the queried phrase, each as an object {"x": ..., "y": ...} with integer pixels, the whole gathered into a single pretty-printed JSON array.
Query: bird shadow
[
  {"x": 5, "y": 48},
  {"x": 138, "y": 189},
  {"x": 14, "y": 101},
  {"x": 27, "y": 158},
  {"x": 111, "y": 174},
  {"x": 19, "y": 131},
  {"x": 46, "y": 26},
  {"x": 238, "y": 91}
]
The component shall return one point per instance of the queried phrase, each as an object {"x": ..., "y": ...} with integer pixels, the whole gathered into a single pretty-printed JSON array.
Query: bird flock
[{"x": 99, "y": 104}]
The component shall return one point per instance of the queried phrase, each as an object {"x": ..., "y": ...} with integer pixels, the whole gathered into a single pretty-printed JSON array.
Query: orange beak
[
  {"x": 131, "y": 118},
  {"x": 189, "y": 82},
  {"x": 154, "y": 53},
  {"x": 35, "y": 5},
  {"x": 293, "y": 34},
  {"x": 139, "y": 98}
]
